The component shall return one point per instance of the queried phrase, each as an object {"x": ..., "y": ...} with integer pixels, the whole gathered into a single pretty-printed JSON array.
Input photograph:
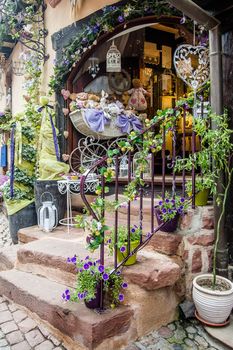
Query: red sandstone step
[
  {"x": 88, "y": 329},
  {"x": 48, "y": 257},
  {"x": 8, "y": 257}
]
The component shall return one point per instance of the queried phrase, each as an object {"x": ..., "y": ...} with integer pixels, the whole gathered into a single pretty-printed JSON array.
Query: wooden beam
[{"x": 195, "y": 12}]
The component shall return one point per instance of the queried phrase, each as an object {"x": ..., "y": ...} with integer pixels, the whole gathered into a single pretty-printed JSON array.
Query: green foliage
[
  {"x": 122, "y": 237},
  {"x": 90, "y": 273},
  {"x": 171, "y": 206},
  {"x": 29, "y": 153}
]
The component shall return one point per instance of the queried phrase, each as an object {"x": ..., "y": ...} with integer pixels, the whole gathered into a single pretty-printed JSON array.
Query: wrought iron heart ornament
[{"x": 192, "y": 65}]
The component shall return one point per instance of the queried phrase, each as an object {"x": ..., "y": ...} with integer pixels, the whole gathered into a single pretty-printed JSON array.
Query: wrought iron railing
[{"x": 178, "y": 150}]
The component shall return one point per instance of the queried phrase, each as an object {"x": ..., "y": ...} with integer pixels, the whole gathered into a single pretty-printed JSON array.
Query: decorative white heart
[{"x": 192, "y": 65}]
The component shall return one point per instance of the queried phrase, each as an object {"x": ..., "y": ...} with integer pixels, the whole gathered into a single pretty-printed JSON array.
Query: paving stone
[
  {"x": 3, "y": 306},
  {"x": 14, "y": 337},
  {"x": 27, "y": 325},
  {"x": 12, "y": 307},
  {"x": 6, "y": 348},
  {"x": 34, "y": 337},
  {"x": 191, "y": 329},
  {"x": 44, "y": 331},
  {"x": 54, "y": 340},
  {"x": 59, "y": 348},
  {"x": 3, "y": 342},
  {"x": 1, "y": 334},
  {"x": 46, "y": 345},
  {"x": 19, "y": 316},
  {"x": 165, "y": 332},
  {"x": 21, "y": 346},
  {"x": 201, "y": 341},
  {"x": 8, "y": 327},
  {"x": 5, "y": 316},
  {"x": 190, "y": 344}
]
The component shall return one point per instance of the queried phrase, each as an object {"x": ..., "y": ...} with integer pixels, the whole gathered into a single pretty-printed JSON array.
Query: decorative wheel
[{"x": 86, "y": 155}]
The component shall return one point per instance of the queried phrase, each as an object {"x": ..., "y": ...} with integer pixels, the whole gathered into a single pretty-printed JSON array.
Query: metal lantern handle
[{"x": 41, "y": 197}]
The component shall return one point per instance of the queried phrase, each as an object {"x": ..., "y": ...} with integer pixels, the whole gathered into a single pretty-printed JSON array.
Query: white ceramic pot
[{"x": 212, "y": 306}]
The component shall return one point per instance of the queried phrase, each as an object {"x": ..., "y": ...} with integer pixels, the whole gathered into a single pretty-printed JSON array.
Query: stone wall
[{"x": 191, "y": 245}]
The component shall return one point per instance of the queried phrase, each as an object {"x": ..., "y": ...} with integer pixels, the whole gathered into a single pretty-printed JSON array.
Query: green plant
[
  {"x": 90, "y": 273},
  {"x": 202, "y": 182},
  {"x": 122, "y": 237},
  {"x": 170, "y": 206}
]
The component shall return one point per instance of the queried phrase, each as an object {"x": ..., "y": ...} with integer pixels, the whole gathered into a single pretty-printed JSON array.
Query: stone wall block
[
  {"x": 166, "y": 243},
  {"x": 196, "y": 261}
]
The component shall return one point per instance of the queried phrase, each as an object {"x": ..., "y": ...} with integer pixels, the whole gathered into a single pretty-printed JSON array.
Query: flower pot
[
  {"x": 213, "y": 306},
  {"x": 201, "y": 197},
  {"x": 95, "y": 303},
  {"x": 170, "y": 226},
  {"x": 121, "y": 256}
]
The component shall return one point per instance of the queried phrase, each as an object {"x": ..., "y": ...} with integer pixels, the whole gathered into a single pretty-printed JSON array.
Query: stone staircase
[{"x": 40, "y": 274}]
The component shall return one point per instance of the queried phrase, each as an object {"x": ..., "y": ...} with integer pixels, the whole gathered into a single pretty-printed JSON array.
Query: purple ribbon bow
[
  {"x": 127, "y": 123},
  {"x": 96, "y": 119}
]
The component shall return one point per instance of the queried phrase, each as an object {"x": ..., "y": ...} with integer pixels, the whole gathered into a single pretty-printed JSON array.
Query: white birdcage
[{"x": 113, "y": 59}]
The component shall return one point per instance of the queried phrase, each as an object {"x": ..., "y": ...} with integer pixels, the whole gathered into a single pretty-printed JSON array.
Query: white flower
[{"x": 99, "y": 226}]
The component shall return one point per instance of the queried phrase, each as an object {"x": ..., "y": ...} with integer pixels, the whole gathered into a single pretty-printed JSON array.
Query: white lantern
[
  {"x": 47, "y": 214},
  {"x": 113, "y": 59},
  {"x": 124, "y": 167}
]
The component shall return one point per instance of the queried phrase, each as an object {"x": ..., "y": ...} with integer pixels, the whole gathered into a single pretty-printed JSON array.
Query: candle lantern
[
  {"x": 113, "y": 59},
  {"x": 124, "y": 167},
  {"x": 47, "y": 214}
]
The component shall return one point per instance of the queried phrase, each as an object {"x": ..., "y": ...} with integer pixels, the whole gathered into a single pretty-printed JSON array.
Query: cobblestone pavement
[
  {"x": 186, "y": 335},
  {"x": 20, "y": 332}
]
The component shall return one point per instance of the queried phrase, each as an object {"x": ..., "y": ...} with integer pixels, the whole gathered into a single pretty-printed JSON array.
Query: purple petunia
[
  {"x": 169, "y": 211},
  {"x": 182, "y": 199},
  {"x": 87, "y": 257},
  {"x": 90, "y": 263},
  {"x": 66, "y": 295},
  {"x": 101, "y": 268},
  {"x": 105, "y": 276},
  {"x": 124, "y": 285},
  {"x": 73, "y": 260},
  {"x": 118, "y": 273},
  {"x": 86, "y": 266},
  {"x": 121, "y": 297},
  {"x": 167, "y": 200},
  {"x": 123, "y": 249},
  {"x": 120, "y": 19},
  {"x": 160, "y": 202},
  {"x": 133, "y": 230},
  {"x": 164, "y": 210}
]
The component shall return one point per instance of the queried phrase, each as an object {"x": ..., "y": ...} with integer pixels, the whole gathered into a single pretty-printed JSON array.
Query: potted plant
[
  {"x": 122, "y": 243},
  {"x": 204, "y": 185},
  {"x": 90, "y": 275},
  {"x": 169, "y": 210},
  {"x": 212, "y": 294}
]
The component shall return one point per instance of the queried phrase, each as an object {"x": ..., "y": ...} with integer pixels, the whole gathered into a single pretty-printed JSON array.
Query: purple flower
[
  {"x": 66, "y": 62},
  {"x": 105, "y": 276},
  {"x": 160, "y": 202},
  {"x": 66, "y": 295},
  {"x": 73, "y": 260},
  {"x": 148, "y": 234},
  {"x": 81, "y": 270},
  {"x": 118, "y": 273},
  {"x": 167, "y": 200},
  {"x": 87, "y": 257},
  {"x": 121, "y": 297},
  {"x": 86, "y": 266},
  {"x": 90, "y": 263},
  {"x": 109, "y": 241},
  {"x": 179, "y": 211},
  {"x": 68, "y": 260},
  {"x": 169, "y": 211},
  {"x": 123, "y": 249},
  {"x": 173, "y": 201},
  {"x": 181, "y": 207},
  {"x": 101, "y": 268},
  {"x": 120, "y": 19},
  {"x": 182, "y": 200},
  {"x": 133, "y": 230},
  {"x": 96, "y": 28},
  {"x": 124, "y": 285},
  {"x": 164, "y": 210}
]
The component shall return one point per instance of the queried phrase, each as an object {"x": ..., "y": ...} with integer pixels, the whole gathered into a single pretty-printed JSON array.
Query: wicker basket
[{"x": 79, "y": 122}]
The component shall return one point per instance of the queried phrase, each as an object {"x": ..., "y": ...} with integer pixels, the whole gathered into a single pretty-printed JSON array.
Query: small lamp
[{"x": 47, "y": 214}]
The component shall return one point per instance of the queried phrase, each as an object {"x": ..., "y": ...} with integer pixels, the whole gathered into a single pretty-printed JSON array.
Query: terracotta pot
[
  {"x": 171, "y": 225},
  {"x": 213, "y": 306},
  {"x": 121, "y": 256}
]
